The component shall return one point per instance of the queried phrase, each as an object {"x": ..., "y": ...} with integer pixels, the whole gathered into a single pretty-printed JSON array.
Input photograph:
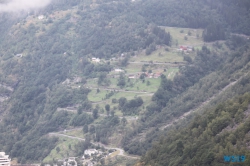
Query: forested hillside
[
  {"x": 220, "y": 131},
  {"x": 205, "y": 92},
  {"x": 40, "y": 58},
  {"x": 232, "y": 15}
]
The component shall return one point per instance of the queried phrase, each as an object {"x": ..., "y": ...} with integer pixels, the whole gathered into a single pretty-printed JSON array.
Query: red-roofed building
[{"x": 183, "y": 48}]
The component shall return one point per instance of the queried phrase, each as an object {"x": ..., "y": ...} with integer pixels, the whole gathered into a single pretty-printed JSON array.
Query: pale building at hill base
[{"x": 4, "y": 159}]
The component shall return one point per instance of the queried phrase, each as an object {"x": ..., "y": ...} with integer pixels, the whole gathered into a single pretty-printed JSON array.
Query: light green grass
[
  {"x": 145, "y": 97},
  {"x": 138, "y": 85},
  {"x": 133, "y": 68},
  {"x": 91, "y": 83},
  {"x": 75, "y": 133},
  {"x": 113, "y": 83},
  {"x": 64, "y": 149},
  {"x": 192, "y": 39},
  {"x": 159, "y": 55},
  {"x": 95, "y": 97},
  {"x": 170, "y": 73},
  {"x": 120, "y": 161}
]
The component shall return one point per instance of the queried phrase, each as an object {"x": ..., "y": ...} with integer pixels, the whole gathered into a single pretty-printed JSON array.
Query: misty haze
[{"x": 20, "y": 5}]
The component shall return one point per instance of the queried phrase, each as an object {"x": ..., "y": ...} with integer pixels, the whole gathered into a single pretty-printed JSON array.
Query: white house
[
  {"x": 131, "y": 76},
  {"x": 90, "y": 152},
  {"x": 4, "y": 159},
  {"x": 40, "y": 17},
  {"x": 96, "y": 60},
  {"x": 19, "y": 55},
  {"x": 119, "y": 70}
]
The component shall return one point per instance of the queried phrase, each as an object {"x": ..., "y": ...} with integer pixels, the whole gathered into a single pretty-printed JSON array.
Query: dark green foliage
[
  {"x": 124, "y": 61},
  {"x": 85, "y": 129},
  {"x": 82, "y": 146},
  {"x": 35, "y": 149},
  {"x": 236, "y": 41},
  {"x": 80, "y": 120},
  {"x": 196, "y": 97},
  {"x": 59, "y": 120},
  {"x": 107, "y": 108},
  {"x": 213, "y": 32},
  {"x": 204, "y": 63},
  {"x": 95, "y": 113},
  {"x": 187, "y": 58},
  {"x": 94, "y": 70},
  {"x": 122, "y": 101},
  {"x": 121, "y": 80},
  {"x": 105, "y": 128},
  {"x": 206, "y": 140},
  {"x": 131, "y": 106},
  {"x": 231, "y": 14}
]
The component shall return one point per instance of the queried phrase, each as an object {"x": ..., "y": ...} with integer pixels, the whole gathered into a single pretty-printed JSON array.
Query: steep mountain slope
[
  {"x": 39, "y": 55},
  {"x": 220, "y": 131},
  {"x": 203, "y": 92}
]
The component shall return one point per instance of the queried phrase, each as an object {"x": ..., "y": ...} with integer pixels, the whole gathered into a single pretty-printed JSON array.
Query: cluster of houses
[
  {"x": 146, "y": 75},
  {"x": 86, "y": 158},
  {"x": 90, "y": 152},
  {"x": 71, "y": 161}
]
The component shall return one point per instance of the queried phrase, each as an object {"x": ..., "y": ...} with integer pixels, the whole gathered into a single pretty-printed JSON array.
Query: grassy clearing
[
  {"x": 113, "y": 83},
  {"x": 160, "y": 55},
  {"x": 75, "y": 133},
  {"x": 120, "y": 161},
  {"x": 149, "y": 85},
  {"x": 192, "y": 40},
  {"x": 131, "y": 85},
  {"x": 117, "y": 95},
  {"x": 91, "y": 83},
  {"x": 145, "y": 97},
  {"x": 66, "y": 146},
  {"x": 170, "y": 73},
  {"x": 133, "y": 68},
  {"x": 95, "y": 97}
]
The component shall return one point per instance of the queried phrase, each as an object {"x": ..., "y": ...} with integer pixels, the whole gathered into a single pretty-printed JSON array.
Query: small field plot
[
  {"x": 170, "y": 73},
  {"x": 113, "y": 83},
  {"x": 120, "y": 160},
  {"x": 134, "y": 67},
  {"x": 145, "y": 97},
  {"x": 185, "y": 36},
  {"x": 75, "y": 133},
  {"x": 64, "y": 149},
  {"x": 148, "y": 85},
  {"x": 159, "y": 55},
  {"x": 95, "y": 97},
  {"x": 91, "y": 83}
]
